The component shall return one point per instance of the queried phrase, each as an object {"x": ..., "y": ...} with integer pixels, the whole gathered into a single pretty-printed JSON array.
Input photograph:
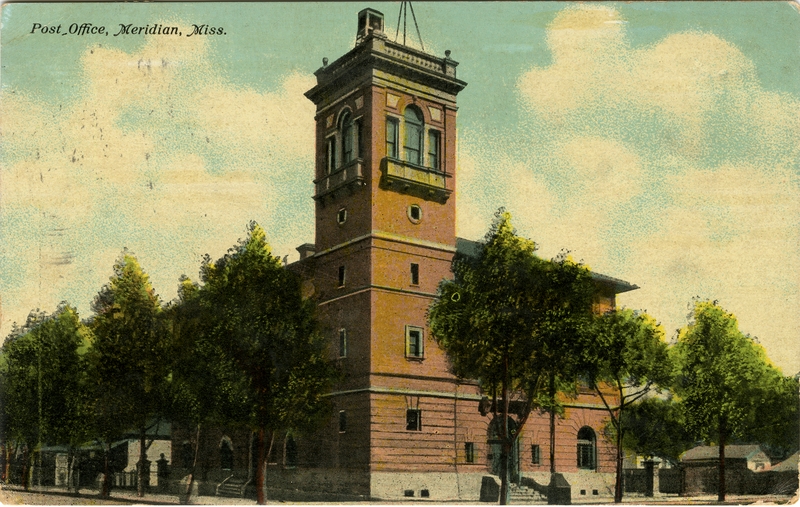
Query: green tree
[
  {"x": 207, "y": 386},
  {"x": 44, "y": 379},
  {"x": 656, "y": 427},
  {"x": 260, "y": 322},
  {"x": 130, "y": 359},
  {"x": 723, "y": 377},
  {"x": 626, "y": 353},
  {"x": 509, "y": 319}
]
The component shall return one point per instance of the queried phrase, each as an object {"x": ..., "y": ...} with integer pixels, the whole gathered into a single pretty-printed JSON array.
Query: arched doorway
[
  {"x": 226, "y": 454},
  {"x": 496, "y": 449}
]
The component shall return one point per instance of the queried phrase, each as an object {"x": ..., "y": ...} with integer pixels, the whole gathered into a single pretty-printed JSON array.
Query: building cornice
[{"x": 387, "y": 236}]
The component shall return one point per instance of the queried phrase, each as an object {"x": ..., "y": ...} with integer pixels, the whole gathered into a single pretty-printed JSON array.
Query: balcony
[
  {"x": 348, "y": 177},
  {"x": 422, "y": 182}
]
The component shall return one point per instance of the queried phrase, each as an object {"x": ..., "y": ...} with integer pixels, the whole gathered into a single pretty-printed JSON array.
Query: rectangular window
[
  {"x": 342, "y": 421},
  {"x": 535, "y": 454},
  {"x": 331, "y": 155},
  {"x": 433, "y": 150},
  {"x": 414, "y": 419},
  {"x": 414, "y": 342},
  {"x": 469, "y": 452},
  {"x": 341, "y": 276},
  {"x": 391, "y": 137},
  {"x": 342, "y": 343},
  {"x": 359, "y": 139},
  {"x": 414, "y": 274}
]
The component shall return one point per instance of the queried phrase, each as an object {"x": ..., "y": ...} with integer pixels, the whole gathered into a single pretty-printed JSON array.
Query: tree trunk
[
  {"x": 105, "y": 492},
  {"x": 261, "y": 470},
  {"x": 25, "y": 467},
  {"x": 618, "y": 481},
  {"x": 142, "y": 461},
  {"x": 70, "y": 465},
  {"x": 9, "y": 451},
  {"x": 722, "y": 436},
  {"x": 187, "y": 499},
  {"x": 505, "y": 448},
  {"x": 551, "y": 391}
]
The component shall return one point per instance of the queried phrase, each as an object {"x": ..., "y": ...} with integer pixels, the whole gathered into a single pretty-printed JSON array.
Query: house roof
[
  {"x": 472, "y": 249},
  {"x": 704, "y": 452},
  {"x": 787, "y": 465}
]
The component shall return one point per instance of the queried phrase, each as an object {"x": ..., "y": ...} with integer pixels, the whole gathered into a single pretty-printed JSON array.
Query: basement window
[
  {"x": 469, "y": 452},
  {"x": 413, "y": 419}
]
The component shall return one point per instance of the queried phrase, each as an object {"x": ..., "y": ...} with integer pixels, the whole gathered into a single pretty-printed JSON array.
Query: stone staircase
[
  {"x": 232, "y": 487},
  {"x": 523, "y": 495}
]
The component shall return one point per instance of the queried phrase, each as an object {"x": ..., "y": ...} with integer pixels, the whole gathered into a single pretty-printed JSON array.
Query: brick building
[{"x": 385, "y": 196}]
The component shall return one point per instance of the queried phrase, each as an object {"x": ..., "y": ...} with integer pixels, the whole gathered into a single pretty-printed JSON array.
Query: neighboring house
[
  {"x": 736, "y": 456},
  {"x": 125, "y": 454},
  {"x": 701, "y": 475}
]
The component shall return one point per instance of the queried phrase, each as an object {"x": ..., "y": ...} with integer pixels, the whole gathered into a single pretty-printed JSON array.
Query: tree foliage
[
  {"x": 510, "y": 319},
  {"x": 724, "y": 380},
  {"x": 656, "y": 427},
  {"x": 130, "y": 356},
  {"x": 626, "y": 353},
  {"x": 44, "y": 380},
  {"x": 259, "y": 322}
]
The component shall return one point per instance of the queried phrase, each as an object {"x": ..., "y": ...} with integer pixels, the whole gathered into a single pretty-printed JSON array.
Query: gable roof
[{"x": 704, "y": 452}]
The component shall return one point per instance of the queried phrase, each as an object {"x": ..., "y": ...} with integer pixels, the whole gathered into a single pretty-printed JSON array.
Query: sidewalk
[
  {"x": 50, "y": 495},
  {"x": 45, "y": 495}
]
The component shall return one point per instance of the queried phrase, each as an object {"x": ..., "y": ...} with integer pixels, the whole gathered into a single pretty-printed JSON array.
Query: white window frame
[
  {"x": 342, "y": 342},
  {"x": 421, "y": 344}
]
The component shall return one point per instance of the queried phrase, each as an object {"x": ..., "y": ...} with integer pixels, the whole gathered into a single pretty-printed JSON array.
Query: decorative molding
[{"x": 392, "y": 100}]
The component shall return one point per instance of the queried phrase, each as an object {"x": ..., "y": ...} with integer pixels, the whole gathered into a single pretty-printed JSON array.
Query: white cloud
[
  {"x": 159, "y": 153},
  {"x": 673, "y": 167}
]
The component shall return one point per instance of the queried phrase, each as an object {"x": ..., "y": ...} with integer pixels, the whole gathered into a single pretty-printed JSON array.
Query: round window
[{"x": 415, "y": 213}]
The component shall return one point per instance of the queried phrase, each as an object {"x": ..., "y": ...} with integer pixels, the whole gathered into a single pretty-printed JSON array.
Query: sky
[{"x": 657, "y": 142}]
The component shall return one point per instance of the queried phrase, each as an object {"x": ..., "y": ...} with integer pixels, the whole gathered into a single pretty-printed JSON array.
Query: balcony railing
[
  {"x": 349, "y": 175},
  {"x": 408, "y": 178}
]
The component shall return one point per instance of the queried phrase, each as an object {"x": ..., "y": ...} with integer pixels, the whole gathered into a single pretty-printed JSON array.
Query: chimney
[{"x": 370, "y": 22}]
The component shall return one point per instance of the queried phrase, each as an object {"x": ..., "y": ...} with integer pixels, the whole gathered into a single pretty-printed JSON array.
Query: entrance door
[{"x": 496, "y": 450}]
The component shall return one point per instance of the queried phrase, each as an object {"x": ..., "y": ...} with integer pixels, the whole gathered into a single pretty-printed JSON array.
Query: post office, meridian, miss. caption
[{"x": 129, "y": 29}]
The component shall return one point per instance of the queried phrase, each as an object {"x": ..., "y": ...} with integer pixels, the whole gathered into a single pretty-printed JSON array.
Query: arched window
[
  {"x": 348, "y": 138},
  {"x": 587, "y": 449},
  {"x": 226, "y": 454},
  {"x": 414, "y": 127}
]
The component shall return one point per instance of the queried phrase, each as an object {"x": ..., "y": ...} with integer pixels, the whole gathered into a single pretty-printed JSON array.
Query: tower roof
[{"x": 374, "y": 55}]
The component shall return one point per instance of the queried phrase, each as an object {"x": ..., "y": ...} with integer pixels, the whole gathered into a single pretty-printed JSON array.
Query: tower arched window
[
  {"x": 414, "y": 129},
  {"x": 349, "y": 141},
  {"x": 587, "y": 449}
]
